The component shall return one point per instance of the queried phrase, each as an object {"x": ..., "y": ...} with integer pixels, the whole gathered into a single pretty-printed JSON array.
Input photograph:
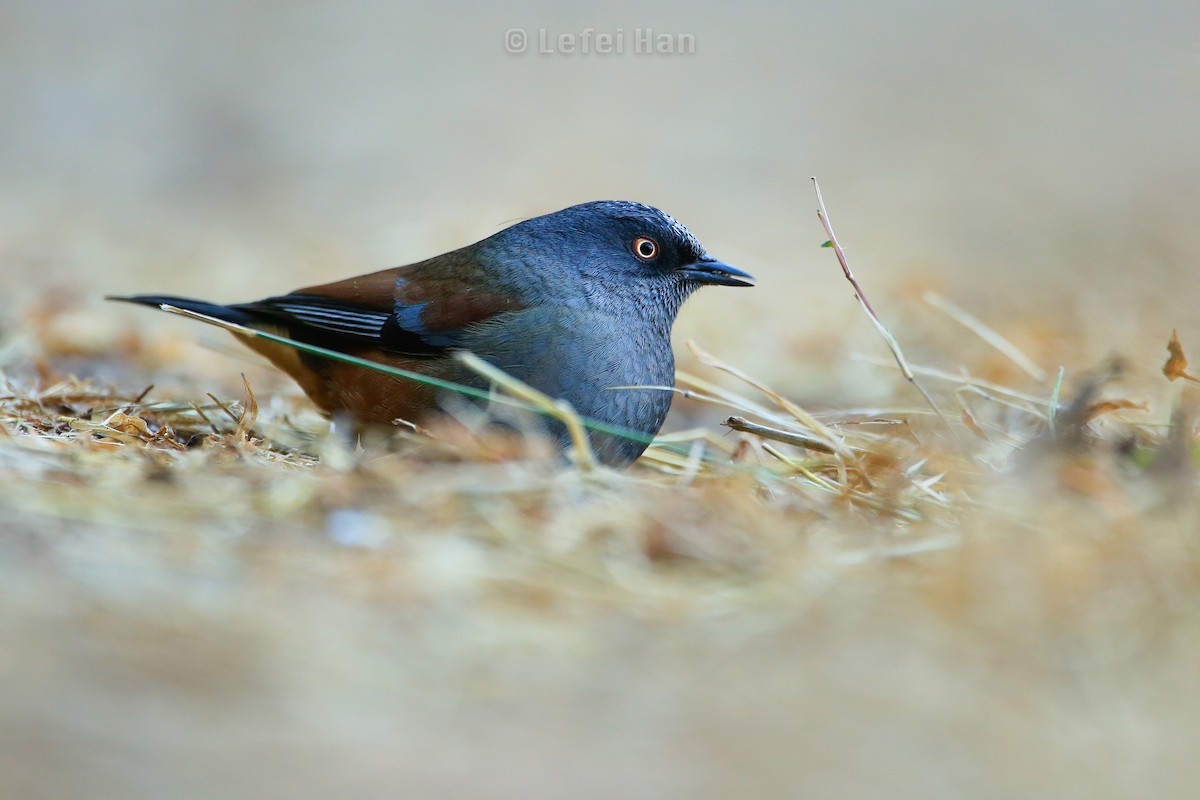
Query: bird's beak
[{"x": 717, "y": 273}]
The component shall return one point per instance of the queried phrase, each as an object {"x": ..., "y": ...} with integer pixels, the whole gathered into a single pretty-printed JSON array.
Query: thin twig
[
  {"x": 224, "y": 407},
  {"x": 833, "y": 440},
  {"x": 788, "y": 437},
  {"x": 892, "y": 344},
  {"x": 560, "y": 410},
  {"x": 730, "y": 398},
  {"x": 983, "y": 331},
  {"x": 953, "y": 377},
  {"x": 137, "y": 401}
]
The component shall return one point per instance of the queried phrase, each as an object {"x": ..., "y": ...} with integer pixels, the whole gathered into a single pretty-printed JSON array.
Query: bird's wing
[
  {"x": 321, "y": 313},
  {"x": 409, "y": 311}
]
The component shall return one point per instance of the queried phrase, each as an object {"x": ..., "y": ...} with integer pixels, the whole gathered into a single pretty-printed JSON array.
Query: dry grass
[
  {"x": 863, "y": 601},
  {"x": 868, "y": 607}
]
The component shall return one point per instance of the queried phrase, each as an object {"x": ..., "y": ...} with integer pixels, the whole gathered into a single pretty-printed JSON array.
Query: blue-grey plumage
[{"x": 578, "y": 304}]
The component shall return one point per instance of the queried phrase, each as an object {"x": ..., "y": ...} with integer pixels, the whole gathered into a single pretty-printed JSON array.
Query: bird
[{"x": 578, "y": 303}]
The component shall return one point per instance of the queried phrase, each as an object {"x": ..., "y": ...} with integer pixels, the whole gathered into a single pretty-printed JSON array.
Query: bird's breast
[{"x": 589, "y": 358}]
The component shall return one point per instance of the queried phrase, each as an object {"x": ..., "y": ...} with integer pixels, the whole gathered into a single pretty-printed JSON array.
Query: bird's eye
[{"x": 645, "y": 248}]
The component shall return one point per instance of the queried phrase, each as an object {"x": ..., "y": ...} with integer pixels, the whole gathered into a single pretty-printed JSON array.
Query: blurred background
[
  {"x": 1025, "y": 159},
  {"x": 1036, "y": 162}
]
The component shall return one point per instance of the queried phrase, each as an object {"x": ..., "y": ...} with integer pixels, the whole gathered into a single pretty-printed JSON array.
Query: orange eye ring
[{"x": 645, "y": 248}]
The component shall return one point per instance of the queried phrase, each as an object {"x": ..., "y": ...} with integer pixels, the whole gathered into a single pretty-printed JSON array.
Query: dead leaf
[
  {"x": 1176, "y": 366},
  {"x": 129, "y": 424},
  {"x": 1108, "y": 406}
]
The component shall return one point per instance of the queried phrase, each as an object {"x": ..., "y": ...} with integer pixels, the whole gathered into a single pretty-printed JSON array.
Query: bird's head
[{"x": 619, "y": 248}]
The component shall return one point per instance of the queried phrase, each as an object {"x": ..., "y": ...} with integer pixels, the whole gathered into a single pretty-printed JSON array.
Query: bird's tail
[{"x": 226, "y": 313}]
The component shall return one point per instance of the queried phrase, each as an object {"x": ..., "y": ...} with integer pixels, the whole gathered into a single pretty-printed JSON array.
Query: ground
[
  {"x": 204, "y": 594},
  {"x": 969, "y": 604}
]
